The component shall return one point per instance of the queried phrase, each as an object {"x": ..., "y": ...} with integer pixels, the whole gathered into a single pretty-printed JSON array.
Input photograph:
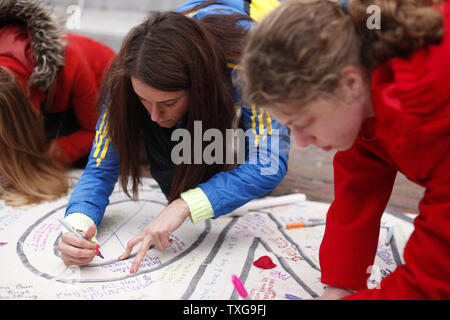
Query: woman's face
[
  {"x": 326, "y": 123},
  {"x": 166, "y": 108},
  {"x": 332, "y": 122}
]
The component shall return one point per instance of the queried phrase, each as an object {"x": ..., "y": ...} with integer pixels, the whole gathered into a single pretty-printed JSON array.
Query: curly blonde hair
[{"x": 296, "y": 52}]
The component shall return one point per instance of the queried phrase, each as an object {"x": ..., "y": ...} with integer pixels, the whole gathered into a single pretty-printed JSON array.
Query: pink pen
[{"x": 239, "y": 287}]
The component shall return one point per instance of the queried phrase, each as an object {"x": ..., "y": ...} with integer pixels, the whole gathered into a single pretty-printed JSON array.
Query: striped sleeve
[
  {"x": 91, "y": 193},
  {"x": 257, "y": 9},
  {"x": 267, "y": 144},
  {"x": 102, "y": 139}
]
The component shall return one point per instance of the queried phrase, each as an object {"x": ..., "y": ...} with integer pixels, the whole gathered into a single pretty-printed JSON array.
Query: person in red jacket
[
  {"x": 381, "y": 97},
  {"x": 57, "y": 77}
]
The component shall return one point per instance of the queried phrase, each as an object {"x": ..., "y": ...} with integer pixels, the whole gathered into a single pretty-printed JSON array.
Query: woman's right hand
[{"x": 76, "y": 251}]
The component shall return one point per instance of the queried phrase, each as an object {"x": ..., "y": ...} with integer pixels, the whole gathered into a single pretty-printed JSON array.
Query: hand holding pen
[{"x": 75, "y": 247}]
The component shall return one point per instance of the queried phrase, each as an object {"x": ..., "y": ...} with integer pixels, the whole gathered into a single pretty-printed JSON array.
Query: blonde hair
[
  {"x": 25, "y": 159},
  {"x": 297, "y": 51}
]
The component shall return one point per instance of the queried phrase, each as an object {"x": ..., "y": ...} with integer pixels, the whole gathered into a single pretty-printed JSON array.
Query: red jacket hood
[
  {"x": 17, "y": 43},
  {"x": 16, "y": 55}
]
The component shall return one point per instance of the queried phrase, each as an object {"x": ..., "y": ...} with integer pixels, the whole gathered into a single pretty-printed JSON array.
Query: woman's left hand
[{"x": 157, "y": 232}]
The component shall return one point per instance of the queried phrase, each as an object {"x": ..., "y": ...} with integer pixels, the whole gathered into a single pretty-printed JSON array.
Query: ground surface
[{"x": 311, "y": 172}]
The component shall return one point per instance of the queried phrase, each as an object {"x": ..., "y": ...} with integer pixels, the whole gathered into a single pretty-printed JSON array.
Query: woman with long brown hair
[
  {"x": 378, "y": 93},
  {"x": 48, "y": 94},
  {"x": 176, "y": 71}
]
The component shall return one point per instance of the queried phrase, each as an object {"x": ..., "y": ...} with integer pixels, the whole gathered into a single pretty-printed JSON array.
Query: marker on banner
[
  {"x": 75, "y": 232},
  {"x": 239, "y": 287},
  {"x": 294, "y": 225}
]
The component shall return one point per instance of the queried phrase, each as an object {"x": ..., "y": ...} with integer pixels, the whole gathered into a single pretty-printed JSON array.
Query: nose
[
  {"x": 303, "y": 139},
  {"x": 155, "y": 113}
]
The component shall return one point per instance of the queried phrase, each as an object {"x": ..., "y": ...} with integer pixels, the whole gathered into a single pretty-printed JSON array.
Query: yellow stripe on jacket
[
  {"x": 259, "y": 8},
  {"x": 100, "y": 136},
  {"x": 254, "y": 114}
]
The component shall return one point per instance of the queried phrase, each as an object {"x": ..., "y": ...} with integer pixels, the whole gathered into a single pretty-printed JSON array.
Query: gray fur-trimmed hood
[{"x": 48, "y": 49}]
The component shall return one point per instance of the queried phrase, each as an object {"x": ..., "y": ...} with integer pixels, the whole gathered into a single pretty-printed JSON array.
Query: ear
[{"x": 351, "y": 84}]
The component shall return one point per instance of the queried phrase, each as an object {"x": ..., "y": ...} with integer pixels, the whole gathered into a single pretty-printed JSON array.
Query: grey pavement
[{"x": 107, "y": 21}]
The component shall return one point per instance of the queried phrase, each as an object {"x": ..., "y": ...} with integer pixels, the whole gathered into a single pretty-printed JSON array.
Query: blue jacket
[{"x": 226, "y": 190}]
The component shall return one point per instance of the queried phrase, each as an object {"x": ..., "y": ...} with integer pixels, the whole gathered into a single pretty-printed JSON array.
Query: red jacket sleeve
[
  {"x": 363, "y": 184},
  {"x": 411, "y": 104},
  {"x": 86, "y": 64},
  {"x": 83, "y": 98},
  {"x": 426, "y": 272}
]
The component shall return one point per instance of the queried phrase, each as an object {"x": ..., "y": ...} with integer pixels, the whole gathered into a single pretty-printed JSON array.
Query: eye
[
  {"x": 169, "y": 104},
  {"x": 301, "y": 127},
  {"x": 143, "y": 101},
  {"x": 305, "y": 124}
]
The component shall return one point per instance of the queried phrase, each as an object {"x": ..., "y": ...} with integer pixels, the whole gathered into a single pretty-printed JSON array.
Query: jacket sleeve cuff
[
  {"x": 81, "y": 222},
  {"x": 198, "y": 204}
]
